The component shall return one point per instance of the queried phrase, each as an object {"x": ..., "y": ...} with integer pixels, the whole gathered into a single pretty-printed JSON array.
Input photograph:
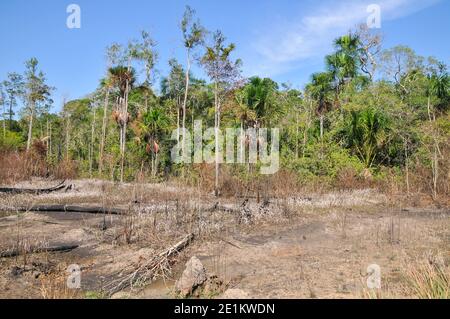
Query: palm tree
[
  {"x": 245, "y": 115},
  {"x": 123, "y": 78},
  {"x": 344, "y": 63},
  {"x": 366, "y": 133},
  {"x": 439, "y": 86},
  {"x": 259, "y": 93},
  {"x": 154, "y": 124},
  {"x": 320, "y": 88}
]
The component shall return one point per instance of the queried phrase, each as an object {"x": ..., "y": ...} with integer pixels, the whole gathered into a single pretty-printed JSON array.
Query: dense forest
[{"x": 373, "y": 116}]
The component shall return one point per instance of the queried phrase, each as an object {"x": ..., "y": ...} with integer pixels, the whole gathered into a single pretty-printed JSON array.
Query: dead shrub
[
  {"x": 21, "y": 165},
  {"x": 66, "y": 169}
]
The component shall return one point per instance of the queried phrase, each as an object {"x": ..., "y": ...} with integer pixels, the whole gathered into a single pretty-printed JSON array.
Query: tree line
[{"x": 371, "y": 114}]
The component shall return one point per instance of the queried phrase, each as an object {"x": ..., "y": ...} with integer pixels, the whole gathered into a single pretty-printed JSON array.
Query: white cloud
[{"x": 288, "y": 45}]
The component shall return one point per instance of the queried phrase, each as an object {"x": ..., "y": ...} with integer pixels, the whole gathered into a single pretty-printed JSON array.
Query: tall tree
[
  {"x": 172, "y": 87},
  {"x": 14, "y": 89},
  {"x": 343, "y": 64},
  {"x": 369, "y": 50},
  {"x": 123, "y": 77},
  {"x": 107, "y": 84},
  {"x": 2, "y": 104},
  {"x": 193, "y": 36},
  {"x": 320, "y": 88},
  {"x": 439, "y": 89},
  {"x": 146, "y": 53},
  {"x": 223, "y": 72},
  {"x": 399, "y": 66},
  {"x": 37, "y": 94}
]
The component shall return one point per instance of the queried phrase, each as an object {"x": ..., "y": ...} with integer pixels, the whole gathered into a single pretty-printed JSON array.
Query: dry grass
[
  {"x": 428, "y": 281},
  {"x": 54, "y": 286}
]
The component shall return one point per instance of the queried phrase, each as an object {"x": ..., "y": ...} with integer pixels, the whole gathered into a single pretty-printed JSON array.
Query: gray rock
[{"x": 193, "y": 276}]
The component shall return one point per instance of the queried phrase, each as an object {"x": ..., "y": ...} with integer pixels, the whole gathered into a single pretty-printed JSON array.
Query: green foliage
[
  {"x": 366, "y": 133},
  {"x": 342, "y": 121},
  {"x": 327, "y": 160},
  {"x": 11, "y": 140}
]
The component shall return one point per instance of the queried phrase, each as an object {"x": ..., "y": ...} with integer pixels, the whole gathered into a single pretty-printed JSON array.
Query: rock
[
  {"x": 235, "y": 294},
  {"x": 193, "y": 276}
]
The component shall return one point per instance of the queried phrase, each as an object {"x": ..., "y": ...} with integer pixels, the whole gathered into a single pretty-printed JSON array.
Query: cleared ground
[{"x": 304, "y": 246}]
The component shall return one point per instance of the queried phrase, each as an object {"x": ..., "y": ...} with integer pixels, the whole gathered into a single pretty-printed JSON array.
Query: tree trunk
[
  {"x": 67, "y": 137},
  {"x": 30, "y": 127},
  {"x": 37, "y": 191},
  {"x": 37, "y": 250},
  {"x": 50, "y": 149},
  {"x": 297, "y": 139},
  {"x": 4, "y": 122},
  {"x": 72, "y": 209},
  {"x": 155, "y": 173},
  {"x": 104, "y": 124},
  {"x": 124, "y": 138},
  {"x": 242, "y": 141},
  {"x": 217, "y": 124},
  {"x": 321, "y": 126},
  {"x": 435, "y": 170},
  {"x": 10, "y": 114},
  {"x": 178, "y": 124},
  {"x": 186, "y": 90},
  {"x": 429, "y": 108},
  {"x": 435, "y": 159},
  {"x": 407, "y": 166},
  {"x": 91, "y": 147}
]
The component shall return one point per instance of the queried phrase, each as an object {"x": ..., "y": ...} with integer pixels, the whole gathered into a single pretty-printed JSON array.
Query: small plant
[{"x": 429, "y": 281}]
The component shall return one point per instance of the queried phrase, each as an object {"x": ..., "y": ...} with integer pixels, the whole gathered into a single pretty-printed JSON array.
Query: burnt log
[
  {"x": 37, "y": 191},
  {"x": 68, "y": 209},
  {"x": 36, "y": 250}
]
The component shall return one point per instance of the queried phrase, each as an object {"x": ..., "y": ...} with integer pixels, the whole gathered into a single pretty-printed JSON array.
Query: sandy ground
[{"x": 309, "y": 246}]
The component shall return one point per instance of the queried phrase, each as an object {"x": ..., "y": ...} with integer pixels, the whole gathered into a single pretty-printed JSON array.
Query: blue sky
[{"x": 283, "y": 39}]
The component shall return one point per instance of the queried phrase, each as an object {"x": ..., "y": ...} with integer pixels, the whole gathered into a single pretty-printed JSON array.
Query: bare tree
[
  {"x": 193, "y": 36},
  {"x": 37, "y": 92},
  {"x": 224, "y": 73},
  {"x": 14, "y": 89},
  {"x": 112, "y": 57},
  {"x": 370, "y": 49}
]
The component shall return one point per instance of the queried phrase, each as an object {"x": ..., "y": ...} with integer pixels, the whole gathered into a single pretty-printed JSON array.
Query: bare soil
[{"x": 304, "y": 246}]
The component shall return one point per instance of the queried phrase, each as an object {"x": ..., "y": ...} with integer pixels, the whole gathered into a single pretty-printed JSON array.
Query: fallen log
[
  {"x": 143, "y": 273},
  {"x": 37, "y": 250},
  {"x": 38, "y": 191},
  {"x": 67, "y": 209}
]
